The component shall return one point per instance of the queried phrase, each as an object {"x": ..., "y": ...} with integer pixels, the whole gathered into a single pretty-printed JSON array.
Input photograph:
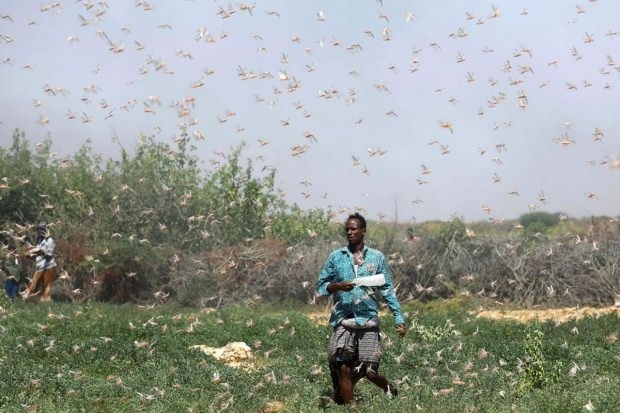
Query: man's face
[{"x": 354, "y": 231}]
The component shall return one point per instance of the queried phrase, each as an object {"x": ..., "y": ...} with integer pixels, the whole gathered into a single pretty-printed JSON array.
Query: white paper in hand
[{"x": 376, "y": 280}]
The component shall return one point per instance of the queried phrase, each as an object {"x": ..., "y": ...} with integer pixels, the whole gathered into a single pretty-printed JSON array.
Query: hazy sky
[{"x": 415, "y": 109}]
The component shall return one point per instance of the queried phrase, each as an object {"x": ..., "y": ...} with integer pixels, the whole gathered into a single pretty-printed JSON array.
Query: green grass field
[{"x": 57, "y": 357}]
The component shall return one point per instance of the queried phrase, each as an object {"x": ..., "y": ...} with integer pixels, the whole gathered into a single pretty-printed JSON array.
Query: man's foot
[
  {"x": 391, "y": 391},
  {"x": 337, "y": 398}
]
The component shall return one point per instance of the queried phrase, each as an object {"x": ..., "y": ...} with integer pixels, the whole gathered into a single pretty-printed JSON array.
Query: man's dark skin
[{"x": 355, "y": 237}]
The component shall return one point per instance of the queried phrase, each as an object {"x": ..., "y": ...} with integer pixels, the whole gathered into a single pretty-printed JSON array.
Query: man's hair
[{"x": 358, "y": 217}]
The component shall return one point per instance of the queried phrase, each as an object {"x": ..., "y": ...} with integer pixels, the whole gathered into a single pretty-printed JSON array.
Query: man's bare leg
[
  {"x": 334, "y": 370},
  {"x": 380, "y": 381},
  {"x": 48, "y": 278},
  {"x": 346, "y": 383},
  {"x": 33, "y": 286}
]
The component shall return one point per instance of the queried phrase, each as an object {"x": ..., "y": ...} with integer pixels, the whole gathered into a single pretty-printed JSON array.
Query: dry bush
[
  {"x": 118, "y": 287},
  {"x": 72, "y": 257},
  {"x": 550, "y": 271},
  {"x": 243, "y": 272},
  {"x": 247, "y": 267},
  {"x": 509, "y": 267},
  {"x": 266, "y": 269}
]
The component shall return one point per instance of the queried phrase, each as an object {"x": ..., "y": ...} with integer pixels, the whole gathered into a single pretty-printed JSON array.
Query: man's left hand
[
  {"x": 401, "y": 330},
  {"x": 33, "y": 252}
]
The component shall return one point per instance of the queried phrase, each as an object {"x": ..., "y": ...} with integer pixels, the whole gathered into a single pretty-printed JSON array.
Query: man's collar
[{"x": 347, "y": 250}]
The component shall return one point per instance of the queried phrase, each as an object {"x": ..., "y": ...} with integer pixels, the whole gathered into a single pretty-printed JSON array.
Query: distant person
[
  {"x": 10, "y": 266},
  {"x": 354, "y": 348},
  {"x": 411, "y": 237},
  {"x": 45, "y": 266}
]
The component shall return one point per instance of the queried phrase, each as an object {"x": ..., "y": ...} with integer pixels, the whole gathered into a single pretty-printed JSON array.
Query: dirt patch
[
  {"x": 319, "y": 317},
  {"x": 236, "y": 354},
  {"x": 558, "y": 315}
]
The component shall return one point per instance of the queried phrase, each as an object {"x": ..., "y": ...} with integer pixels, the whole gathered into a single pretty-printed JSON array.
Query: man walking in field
[{"x": 349, "y": 276}]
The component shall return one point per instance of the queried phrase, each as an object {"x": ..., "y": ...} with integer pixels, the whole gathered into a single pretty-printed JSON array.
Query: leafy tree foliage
[
  {"x": 538, "y": 222},
  {"x": 144, "y": 208}
]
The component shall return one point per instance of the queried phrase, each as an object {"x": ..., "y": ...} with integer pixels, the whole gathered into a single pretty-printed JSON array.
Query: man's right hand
[{"x": 342, "y": 286}]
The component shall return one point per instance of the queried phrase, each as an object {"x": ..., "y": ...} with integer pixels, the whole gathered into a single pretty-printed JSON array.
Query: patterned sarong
[{"x": 356, "y": 344}]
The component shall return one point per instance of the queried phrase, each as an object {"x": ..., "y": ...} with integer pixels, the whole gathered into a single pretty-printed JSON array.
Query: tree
[{"x": 538, "y": 222}]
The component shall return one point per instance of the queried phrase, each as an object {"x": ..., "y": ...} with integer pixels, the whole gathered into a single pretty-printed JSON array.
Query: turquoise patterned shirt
[{"x": 360, "y": 301}]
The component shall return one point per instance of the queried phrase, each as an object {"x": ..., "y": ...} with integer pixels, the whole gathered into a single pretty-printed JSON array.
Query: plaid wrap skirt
[{"x": 356, "y": 345}]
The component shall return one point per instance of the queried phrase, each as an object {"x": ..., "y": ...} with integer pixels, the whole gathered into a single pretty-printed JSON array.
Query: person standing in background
[
  {"x": 10, "y": 266},
  {"x": 45, "y": 266}
]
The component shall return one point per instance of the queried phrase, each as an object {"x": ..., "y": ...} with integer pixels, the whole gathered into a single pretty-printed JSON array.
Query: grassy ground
[{"x": 57, "y": 357}]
